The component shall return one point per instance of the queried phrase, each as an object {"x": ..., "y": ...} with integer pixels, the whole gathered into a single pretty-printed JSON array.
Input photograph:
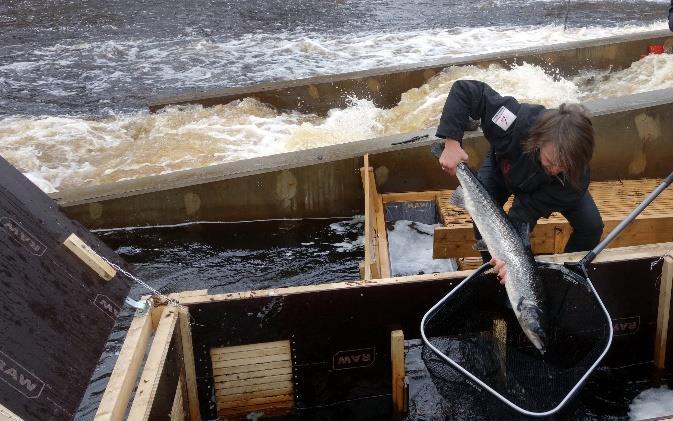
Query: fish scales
[{"x": 503, "y": 242}]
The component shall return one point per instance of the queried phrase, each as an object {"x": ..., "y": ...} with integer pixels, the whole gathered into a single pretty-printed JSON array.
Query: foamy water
[
  {"x": 652, "y": 403},
  {"x": 65, "y": 152},
  {"x": 99, "y": 77},
  {"x": 410, "y": 247}
]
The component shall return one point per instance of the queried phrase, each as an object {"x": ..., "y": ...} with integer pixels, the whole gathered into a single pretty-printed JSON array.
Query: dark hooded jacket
[
  {"x": 536, "y": 193},
  {"x": 670, "y": 17}
]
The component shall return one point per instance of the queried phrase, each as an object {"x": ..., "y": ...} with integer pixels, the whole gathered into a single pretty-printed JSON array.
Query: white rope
[{"x": 154, "y": 292}]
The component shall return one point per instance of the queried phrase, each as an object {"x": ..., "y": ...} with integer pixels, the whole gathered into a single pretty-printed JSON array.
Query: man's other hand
[{"x": 499, "y": 268}]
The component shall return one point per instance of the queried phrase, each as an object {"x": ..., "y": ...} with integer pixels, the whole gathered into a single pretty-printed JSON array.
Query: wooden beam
[
  {"x": 377, "y": 259},
  {"x": 177, "y": 411},
  {"x": 398, "y": 371},
  {"x": 118, "y": 391},
  {"x": 664, "y": 311},
  {"x": 149, "y": 380},
  {"x": 87, "y": 255},
  {"x": 188, "y": 363},
  {"x": 7, "y": 415},
  {"x": 381, "y": 230},
  {"x": 612, "y": 255},
  {"x": 369, "y": 258}
]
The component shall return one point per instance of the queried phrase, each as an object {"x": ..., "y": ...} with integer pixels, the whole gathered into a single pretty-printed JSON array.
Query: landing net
[{"x": 474, "y": 347}]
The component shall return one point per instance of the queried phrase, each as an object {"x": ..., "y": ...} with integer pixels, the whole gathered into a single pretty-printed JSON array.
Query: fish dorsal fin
[{"x": 457, "y": 198}]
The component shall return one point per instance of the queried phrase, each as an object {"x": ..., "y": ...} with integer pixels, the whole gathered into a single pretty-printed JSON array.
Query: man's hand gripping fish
[{"x": 522, "y": 281}]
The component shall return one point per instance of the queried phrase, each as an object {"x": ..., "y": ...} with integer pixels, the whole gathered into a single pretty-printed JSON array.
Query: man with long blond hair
[{"x": 539, "y": 155}]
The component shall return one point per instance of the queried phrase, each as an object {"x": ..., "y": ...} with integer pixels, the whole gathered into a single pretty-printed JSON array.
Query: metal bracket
[{"x": 141, "y": 306}]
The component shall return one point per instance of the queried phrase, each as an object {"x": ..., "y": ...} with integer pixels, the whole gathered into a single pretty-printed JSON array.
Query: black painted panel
[
  {"x": 630, "y": 293},
  {"x": 55, "y": 312},
  {"x": 322, "y": 325}
]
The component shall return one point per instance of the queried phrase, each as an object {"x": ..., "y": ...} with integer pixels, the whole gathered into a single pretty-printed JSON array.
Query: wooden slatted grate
[
  {"x": 615, "y": 200},
  {"x": 254, "y": 378}
]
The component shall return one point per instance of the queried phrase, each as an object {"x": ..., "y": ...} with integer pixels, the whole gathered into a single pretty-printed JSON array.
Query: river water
[{"x": 75, "y": 78}]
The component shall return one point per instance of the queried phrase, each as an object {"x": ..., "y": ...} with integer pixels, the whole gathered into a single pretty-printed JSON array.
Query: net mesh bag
[{"x": 478, "y": 342}]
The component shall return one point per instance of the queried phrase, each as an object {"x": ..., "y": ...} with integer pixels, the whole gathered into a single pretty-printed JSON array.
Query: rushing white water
[{"x": 65, "y": 152}]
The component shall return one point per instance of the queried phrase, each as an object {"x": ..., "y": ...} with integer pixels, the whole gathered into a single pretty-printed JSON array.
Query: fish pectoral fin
[
  {"x": 457, "y": 198},
  {"x": 519, "y": 305},
  {"x": 480, "y": 245}
]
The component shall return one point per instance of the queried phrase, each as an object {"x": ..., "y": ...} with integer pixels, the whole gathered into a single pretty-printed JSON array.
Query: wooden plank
[
  {"x": 7, "y": 415},
  {"x": 253, "y": 381},
  {"x": 253, "y": 360},
  {"x": 149, "y": 380},
  {"x": 283, "y": 389},
  {"x": 369, "y": 258},
  {"x": 120, "y": 386},
  {"x": 375, "y": 252},
  {"x": 87, "y": 255},
  {"x": 664, "y": 310},
  {"x": 184, "y": 294},
  {"x": 218, "y": 354},
  {"x": 249, "y": 374},
  {"x": 240, "y": 412},
  {"x": 188, "y": 362},
  {"x": 263, "y": 400},
  {"x": 249, "y": 347},
  {"x": 613, "y": 255},
  {"x": 398, "y": 370},
  {"x": 249, "y": 368},
  {"x": 177, "y": 411},
  {"x": 423, "y": 196},
  {"x": 272, "y": 386},
  {"x": 453, "y": 242},
  {"x": 381, "y": 230}
]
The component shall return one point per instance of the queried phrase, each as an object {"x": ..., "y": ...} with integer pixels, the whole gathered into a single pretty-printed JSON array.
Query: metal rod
[{"x": 619, "y": 228}]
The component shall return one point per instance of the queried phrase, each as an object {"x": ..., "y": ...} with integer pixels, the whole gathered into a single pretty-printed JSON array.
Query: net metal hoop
[{"x": 486, "y": 387}]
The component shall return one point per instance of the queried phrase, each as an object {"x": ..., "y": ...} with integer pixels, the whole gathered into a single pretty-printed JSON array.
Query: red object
[{"x": 656, "y": 49}]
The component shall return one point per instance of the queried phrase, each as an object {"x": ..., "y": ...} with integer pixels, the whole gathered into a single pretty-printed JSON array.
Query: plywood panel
[{"x": 56, "y": 312}]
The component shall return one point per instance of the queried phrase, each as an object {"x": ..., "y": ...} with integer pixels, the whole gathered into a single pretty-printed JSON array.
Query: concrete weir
[
  {"x": 385, "y": 86},
  {"x": 634, "y": 140}
]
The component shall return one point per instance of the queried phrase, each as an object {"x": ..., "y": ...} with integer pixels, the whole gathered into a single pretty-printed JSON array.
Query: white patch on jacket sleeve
[{"x": 504, "y": 118}]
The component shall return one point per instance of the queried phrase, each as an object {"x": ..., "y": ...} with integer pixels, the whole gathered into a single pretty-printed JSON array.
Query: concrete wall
[
  {"x": 385, "y": 86},
  {"x": 634, "y": 138}
]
